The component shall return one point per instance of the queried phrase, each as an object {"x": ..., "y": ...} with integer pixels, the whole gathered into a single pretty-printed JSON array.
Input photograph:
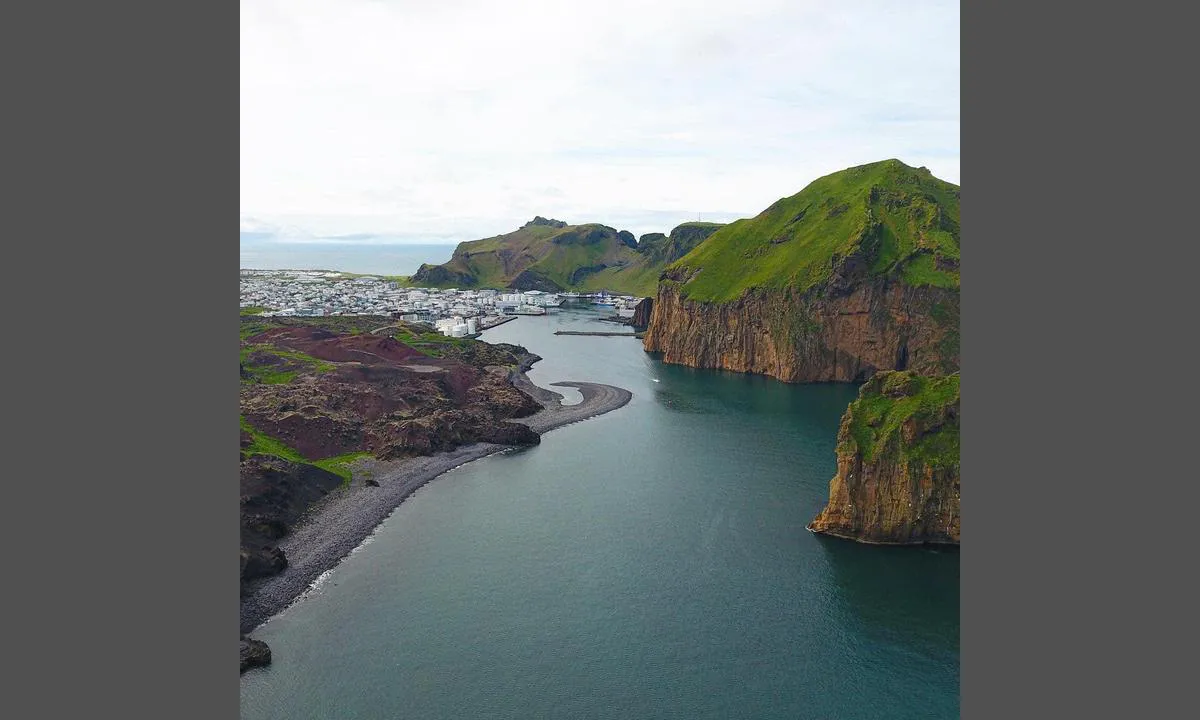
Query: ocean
[
  {"x": 652, "y": 562},
  {"x": 367, "y": 258}
]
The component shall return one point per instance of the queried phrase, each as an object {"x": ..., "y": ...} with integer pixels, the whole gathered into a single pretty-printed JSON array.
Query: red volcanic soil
[
  {"x": 383, "y": 397},
  {"x": 325, "y": 345},
  {"x": 378, "y": 395}
]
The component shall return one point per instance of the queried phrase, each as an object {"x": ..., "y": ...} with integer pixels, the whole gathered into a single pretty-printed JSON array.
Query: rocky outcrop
[
  {"x": 255, "y": 653},
  {"x": 440, "y": 275},
  {"x": 897, "y": 481},
  {"x": 642, "y": 312},
  {"x": 685, "y": 237},
  {"x": 661, "y": 249},
  {"x": 845, "y": 329},
  {"x": 533, "y": 280},
  {"x": 275, "y": 492},
  {"x": 548, "y": 222}
]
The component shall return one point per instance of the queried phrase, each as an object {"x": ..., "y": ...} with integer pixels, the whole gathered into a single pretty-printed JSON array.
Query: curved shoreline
[{"x": 348, "y": 516}]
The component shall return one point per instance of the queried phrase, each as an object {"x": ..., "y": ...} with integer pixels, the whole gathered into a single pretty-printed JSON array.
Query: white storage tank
[
  {"x": 458, "y": 331},
  {"x": 471, "y": 326}
]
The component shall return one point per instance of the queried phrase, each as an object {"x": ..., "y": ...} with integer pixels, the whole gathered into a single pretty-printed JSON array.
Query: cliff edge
[
  {"x": 856, "y": 273},
  {"x": 897, "y": 481}
]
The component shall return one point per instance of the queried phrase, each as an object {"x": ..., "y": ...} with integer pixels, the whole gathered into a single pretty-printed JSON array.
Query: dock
[
  {"x": 590, "y": 332},
  {"x": 483, "y": 325}
]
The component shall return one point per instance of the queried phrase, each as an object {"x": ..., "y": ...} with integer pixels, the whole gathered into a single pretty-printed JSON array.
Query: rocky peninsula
[
  {"x": 897, "y": 480},
  {"x": 346, "y": 517},
  {"x": 853, "y": 279},
  {"x": 340, "y": 425}
]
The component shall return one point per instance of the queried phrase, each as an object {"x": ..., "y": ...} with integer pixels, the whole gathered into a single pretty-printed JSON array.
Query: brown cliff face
[
  {"x": 641, "y": 313},
  {"x": 897, "y": 481},
  {"x": 856, "y": 273},
  {"x": 842, "y": 331}
]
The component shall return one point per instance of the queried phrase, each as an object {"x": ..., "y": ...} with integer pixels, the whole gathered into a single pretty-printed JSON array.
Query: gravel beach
[{"x": 346, "y": 517}]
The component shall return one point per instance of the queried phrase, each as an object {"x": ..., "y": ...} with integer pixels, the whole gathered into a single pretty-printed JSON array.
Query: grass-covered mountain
[
  {"x": 897, "y": 221},
  {"x": 897, "y": 480},
  {"x": 552, "y": 255},
  {"x": 857, "y": 272}
]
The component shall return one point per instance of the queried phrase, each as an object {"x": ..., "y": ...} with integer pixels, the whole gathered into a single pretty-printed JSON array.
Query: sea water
[{"x": 652, "y": 562}]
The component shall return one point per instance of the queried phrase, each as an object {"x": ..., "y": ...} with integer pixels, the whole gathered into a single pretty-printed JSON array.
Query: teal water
[{"x": 648, "y": 563}]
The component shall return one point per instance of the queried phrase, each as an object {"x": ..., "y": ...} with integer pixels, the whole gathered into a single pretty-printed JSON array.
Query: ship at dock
[{"x": 530, "y": 302}]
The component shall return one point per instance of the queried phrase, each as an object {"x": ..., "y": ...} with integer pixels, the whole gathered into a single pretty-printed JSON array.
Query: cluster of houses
[{"x": 457, "y": 313}]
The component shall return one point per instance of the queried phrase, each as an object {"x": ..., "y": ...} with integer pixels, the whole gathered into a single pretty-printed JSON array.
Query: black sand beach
[{"x": 344, "y": 519}]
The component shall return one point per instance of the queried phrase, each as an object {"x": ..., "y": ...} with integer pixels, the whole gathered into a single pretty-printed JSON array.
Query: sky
[{"x": 396, "y": 121}]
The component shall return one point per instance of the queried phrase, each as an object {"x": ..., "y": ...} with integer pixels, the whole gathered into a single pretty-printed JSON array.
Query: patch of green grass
[
  {"x": 253, "y": 310},
  {"x": 887, "y": 212},
  {"x": 431, "y": 343},
  {"x": 921, "y": 270},
  {"x": 272, "y": 377},
  {"x": 558, "y": 254},
  {"x": 249, "y": 329},
  {"x": 339, "y": 465},
  {"x": 315, "y": 363},
  {"x": 270, "y": 374},
  {"x": 889, "y": 399},
  {"x": 640, "y": 280},
  {"x": 266, "y": 445}
]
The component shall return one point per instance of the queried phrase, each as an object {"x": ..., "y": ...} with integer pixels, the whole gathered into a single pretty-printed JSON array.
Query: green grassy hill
[
  {"x": 873, "y": 422},
  {"x": 899, "y": 220},
  {"x": 551, "y": 255}
]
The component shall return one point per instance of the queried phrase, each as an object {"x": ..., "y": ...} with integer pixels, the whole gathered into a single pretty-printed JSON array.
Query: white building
[{"x": 445, "y": 325}]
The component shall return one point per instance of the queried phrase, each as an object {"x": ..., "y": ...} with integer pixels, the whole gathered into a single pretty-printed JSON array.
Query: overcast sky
[{"x": 451, "y": 120}]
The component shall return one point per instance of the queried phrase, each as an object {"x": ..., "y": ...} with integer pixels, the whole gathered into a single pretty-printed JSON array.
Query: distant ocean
[{"x": 377, "y": 259}]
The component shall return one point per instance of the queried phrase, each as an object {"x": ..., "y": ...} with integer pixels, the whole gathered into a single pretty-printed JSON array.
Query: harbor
[{"x": 595, "y": 333}]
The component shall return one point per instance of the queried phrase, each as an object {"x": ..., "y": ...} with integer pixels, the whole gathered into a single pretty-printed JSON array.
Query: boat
[{"x": 539, "y": 298}]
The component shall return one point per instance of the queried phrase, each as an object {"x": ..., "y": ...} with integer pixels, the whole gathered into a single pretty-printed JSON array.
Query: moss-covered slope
[
  {"x": 858, "y": 272},
  {"x": 898, "y": 463},
  {"x": 900, "y": 221},
  {"x": 551, "y": 255}
]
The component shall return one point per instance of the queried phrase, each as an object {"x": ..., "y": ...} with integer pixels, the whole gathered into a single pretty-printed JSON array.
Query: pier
[
  {"x": 489, "y": 322},
  {"x": 591, "y": 332}
]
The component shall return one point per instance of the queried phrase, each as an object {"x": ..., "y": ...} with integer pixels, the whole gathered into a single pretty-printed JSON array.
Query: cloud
[{"x": 465, "y": 119}]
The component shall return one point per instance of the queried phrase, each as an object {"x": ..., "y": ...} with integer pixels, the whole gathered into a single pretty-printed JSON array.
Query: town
[{"x": 453, "y": 312}]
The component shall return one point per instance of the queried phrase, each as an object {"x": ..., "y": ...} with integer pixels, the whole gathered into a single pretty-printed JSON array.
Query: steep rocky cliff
[
  {"x": 897, "y": 480},
  {"x": 642, "y": 312},
  {"x": 856, "y": 273},
  {"x": 662, "y": 249}
]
